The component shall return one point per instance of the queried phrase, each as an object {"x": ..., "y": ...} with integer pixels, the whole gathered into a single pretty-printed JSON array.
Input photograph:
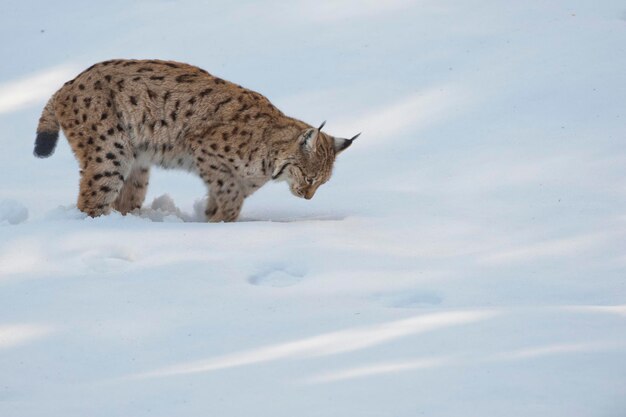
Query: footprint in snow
[
  {"x": 108, "y": 259},
  {"x": 410, "y": 299},
  {"x": 277, "y": 277}
]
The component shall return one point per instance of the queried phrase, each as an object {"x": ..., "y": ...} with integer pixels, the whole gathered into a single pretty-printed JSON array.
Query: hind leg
[
  {"x": 105, "y": 167},
  {"x": 101, "y": 144},
  {"x": 134, "y": 190}
]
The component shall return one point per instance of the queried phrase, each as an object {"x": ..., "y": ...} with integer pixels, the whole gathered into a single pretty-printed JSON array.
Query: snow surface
[{"x": 466, "y": 259}]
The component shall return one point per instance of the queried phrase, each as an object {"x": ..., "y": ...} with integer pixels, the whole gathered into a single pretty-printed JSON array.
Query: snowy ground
[{"x": 468, "y": 257}]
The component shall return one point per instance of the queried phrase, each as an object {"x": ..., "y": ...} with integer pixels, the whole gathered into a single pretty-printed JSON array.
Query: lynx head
[{"x": 310, "y": 161}]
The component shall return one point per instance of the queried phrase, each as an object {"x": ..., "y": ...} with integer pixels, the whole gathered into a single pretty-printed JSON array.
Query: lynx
[{"x": 122, "y": 116}]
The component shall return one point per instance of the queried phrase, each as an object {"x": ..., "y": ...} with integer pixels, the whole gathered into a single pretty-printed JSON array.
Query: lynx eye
[{"x": 308, "y": 180}]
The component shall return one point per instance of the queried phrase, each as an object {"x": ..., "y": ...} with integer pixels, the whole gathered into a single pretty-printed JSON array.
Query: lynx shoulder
[{"x": 120, "y": 117}]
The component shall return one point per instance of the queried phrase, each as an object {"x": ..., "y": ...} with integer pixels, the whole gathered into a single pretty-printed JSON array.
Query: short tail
[{"x": 47, "y": 131}]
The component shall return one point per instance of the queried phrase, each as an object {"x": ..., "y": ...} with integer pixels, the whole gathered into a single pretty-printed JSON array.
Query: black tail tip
[{"x": 45, "y": 144}]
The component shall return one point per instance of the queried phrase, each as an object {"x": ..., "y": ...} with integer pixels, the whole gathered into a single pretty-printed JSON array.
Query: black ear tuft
[{"x": 342, "y": 144}]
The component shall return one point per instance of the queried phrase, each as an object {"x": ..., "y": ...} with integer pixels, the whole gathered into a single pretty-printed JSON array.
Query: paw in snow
[
  {"x": 410, "y": 299},
  {"x": 12, "y": 212},
  {"x": 163, "y": 209},
  {"x": 277, "y": 277}
]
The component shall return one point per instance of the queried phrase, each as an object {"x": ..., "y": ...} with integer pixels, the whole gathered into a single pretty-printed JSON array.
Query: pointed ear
[
  {"x": 308, "y": 139},
  {"x": 341, "y": 143}
]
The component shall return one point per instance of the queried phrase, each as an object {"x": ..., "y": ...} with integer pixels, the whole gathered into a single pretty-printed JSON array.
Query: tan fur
[{"x": 122, "y": 116}]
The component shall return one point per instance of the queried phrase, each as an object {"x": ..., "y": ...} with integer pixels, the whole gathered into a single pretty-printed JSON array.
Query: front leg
[
  {"x": 225, "y": 201},
  {"x": 226, "y": 194}
]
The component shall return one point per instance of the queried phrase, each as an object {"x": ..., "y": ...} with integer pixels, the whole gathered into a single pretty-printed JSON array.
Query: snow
[
  {"x": 12, "y": 212},
  {"x": 466, "y": 258}
]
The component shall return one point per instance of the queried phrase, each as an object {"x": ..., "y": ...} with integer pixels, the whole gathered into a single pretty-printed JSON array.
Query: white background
[{"x": 467, "y": 258}]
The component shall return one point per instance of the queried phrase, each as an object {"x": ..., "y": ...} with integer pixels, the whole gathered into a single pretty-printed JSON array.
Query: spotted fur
[{"x": 122, "y": 116}]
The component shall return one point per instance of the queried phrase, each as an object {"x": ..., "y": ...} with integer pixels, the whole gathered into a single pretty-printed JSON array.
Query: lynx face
[{"x": 312, "y": 161}]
